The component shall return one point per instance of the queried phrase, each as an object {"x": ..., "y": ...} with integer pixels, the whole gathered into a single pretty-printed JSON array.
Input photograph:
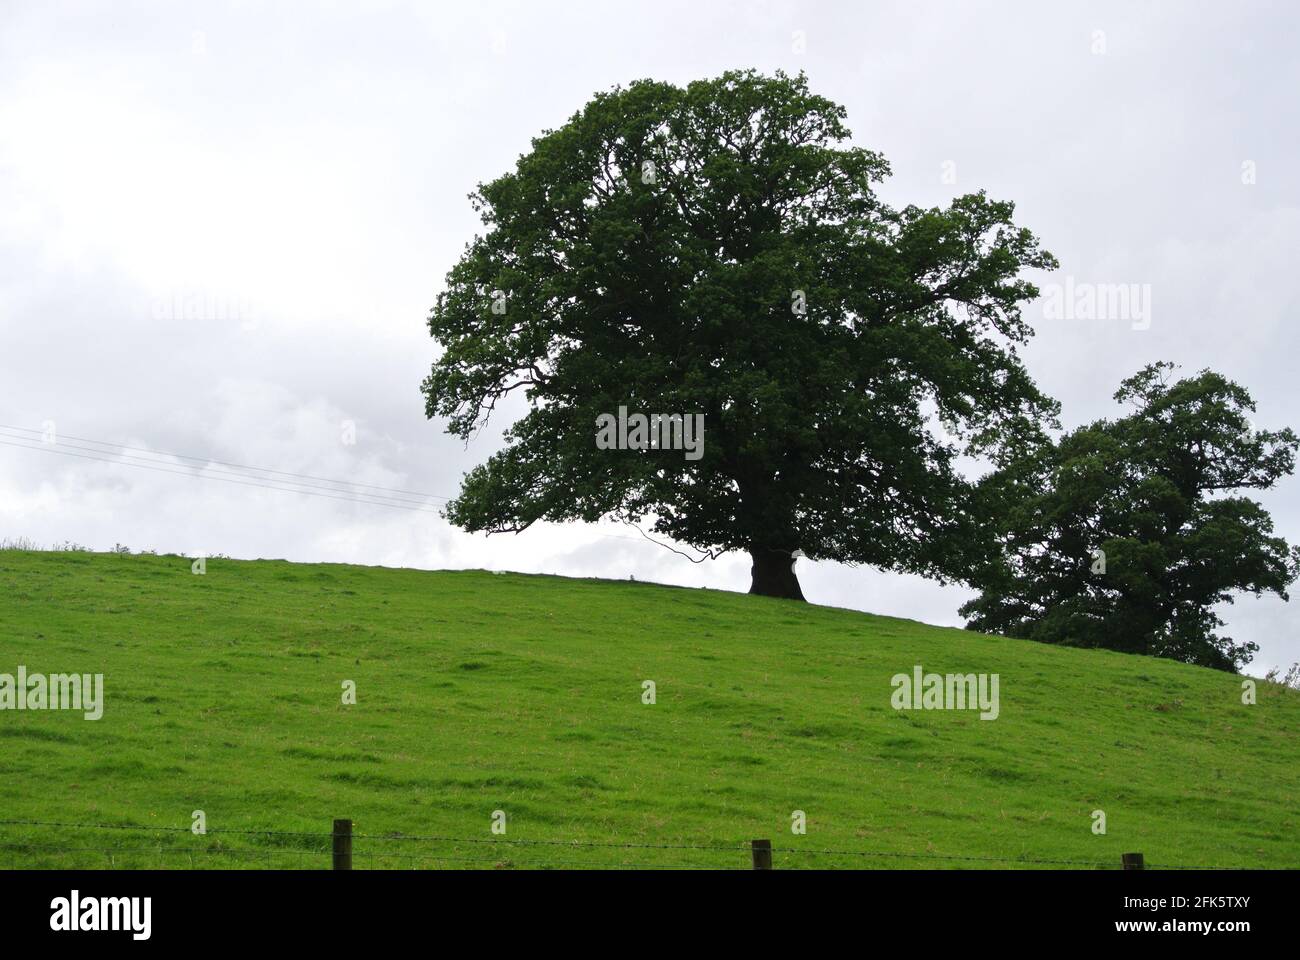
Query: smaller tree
[{"x": 1125, "y": 534}]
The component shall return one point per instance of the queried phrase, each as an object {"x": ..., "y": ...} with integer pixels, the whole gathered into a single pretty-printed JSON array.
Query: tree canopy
[
  {"x": 1127, "y": 532},
  {"x": 721, "y": 250}
]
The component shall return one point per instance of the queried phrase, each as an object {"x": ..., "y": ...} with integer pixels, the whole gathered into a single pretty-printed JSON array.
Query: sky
[{"x": 222, "y": 226}]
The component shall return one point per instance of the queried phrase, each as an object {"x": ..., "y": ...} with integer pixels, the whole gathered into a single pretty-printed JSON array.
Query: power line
[
  {"x": 199, "y": 476},
  {"x": 226, "y": 463},
  {"x": 125, "y": 458},
  {"x": 388, "y": 498}
]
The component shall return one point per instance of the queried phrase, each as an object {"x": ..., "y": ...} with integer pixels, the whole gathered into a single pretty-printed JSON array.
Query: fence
[{"x": 340, "y": 846}]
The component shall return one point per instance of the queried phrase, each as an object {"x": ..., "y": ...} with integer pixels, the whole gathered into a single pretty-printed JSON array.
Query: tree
[
  {"x": 720, "y": 251},
  {"x": 1125, "y": 533}
]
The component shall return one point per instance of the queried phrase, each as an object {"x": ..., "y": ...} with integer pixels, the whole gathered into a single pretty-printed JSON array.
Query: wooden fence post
[
  {"x": 342, "y": 844},
  {"x": 1133, "y": 861},
  {"x": 761, "y": 850}
]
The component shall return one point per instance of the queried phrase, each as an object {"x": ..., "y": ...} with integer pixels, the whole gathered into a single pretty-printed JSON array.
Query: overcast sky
[{"x": 222, "y": 226}]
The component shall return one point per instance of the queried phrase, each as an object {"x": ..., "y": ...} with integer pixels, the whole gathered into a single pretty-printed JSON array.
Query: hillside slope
[{"x": 479, "y": 692}]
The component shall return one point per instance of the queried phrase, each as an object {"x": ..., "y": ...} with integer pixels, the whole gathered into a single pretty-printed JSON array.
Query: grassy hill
[{"x": 479, "y": 692}]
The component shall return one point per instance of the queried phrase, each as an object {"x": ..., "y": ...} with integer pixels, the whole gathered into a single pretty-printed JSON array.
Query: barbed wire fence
[{"x": 180, "y": 847}]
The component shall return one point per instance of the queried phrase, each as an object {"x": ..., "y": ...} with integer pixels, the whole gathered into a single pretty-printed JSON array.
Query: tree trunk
[{"x": 773, "y": 574}]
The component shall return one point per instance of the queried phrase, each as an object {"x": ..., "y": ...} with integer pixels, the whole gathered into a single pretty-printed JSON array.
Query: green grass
[{"x": 480, "y": 692}]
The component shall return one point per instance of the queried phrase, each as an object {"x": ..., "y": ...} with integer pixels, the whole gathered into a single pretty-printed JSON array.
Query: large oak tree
[{"x": 722, "y": 249}]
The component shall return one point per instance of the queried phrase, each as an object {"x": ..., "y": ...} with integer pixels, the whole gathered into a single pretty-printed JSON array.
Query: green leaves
[
  {"x": 719, "y": 249},
  {"x": 1152, "y": 493}
]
